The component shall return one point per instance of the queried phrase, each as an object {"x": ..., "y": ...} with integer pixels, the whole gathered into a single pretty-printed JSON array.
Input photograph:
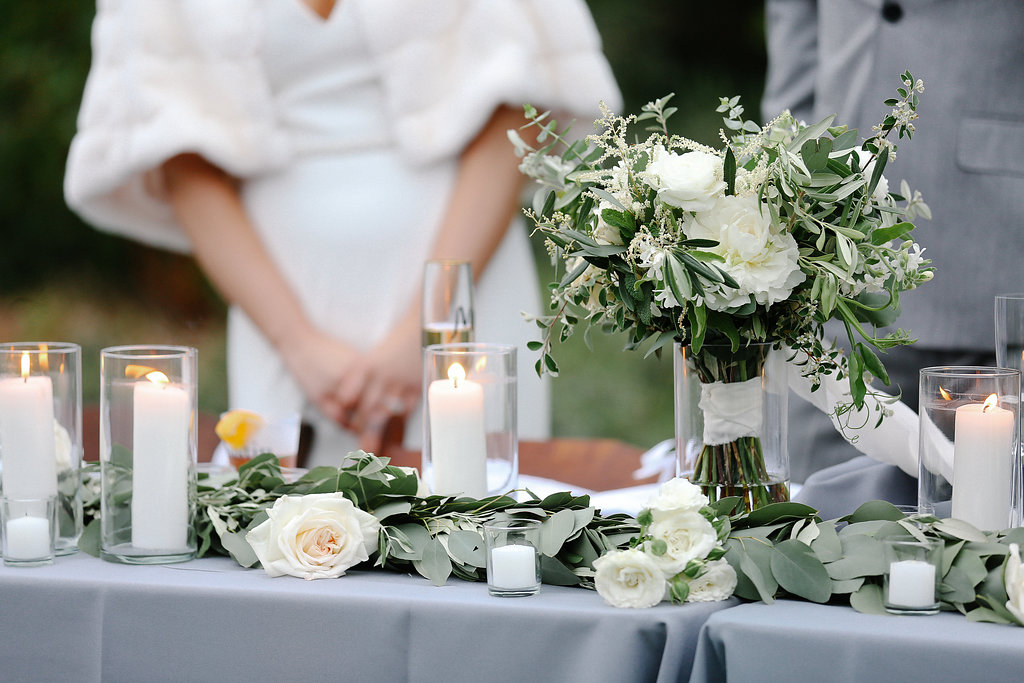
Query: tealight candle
[
  {"x": 458, "y": 439},
  {"x": 160, "y": 438},
  {"x": 513, "y": 567},
  {"x": 27, "y": 538},
  {"x": 911, "y": 584},
  {"x": 982, "y": 464}
]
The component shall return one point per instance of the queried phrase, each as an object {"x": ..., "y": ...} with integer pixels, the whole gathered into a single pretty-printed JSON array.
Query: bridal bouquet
[{"x": 765, "y": 238}]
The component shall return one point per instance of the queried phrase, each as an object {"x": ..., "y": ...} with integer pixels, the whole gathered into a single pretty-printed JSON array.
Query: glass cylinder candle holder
[
  {"x": 41, "y": 430},
  {"x": 470, "y": 444},
  {"x": 29, "y": 528},
  {"x": 148, "y": 454},
  {"x": 969, "y": 444},
  {"x": 913, "y": 573},
  {"x": 513, "y": 562},
  {"x": 447, "y": 311}
]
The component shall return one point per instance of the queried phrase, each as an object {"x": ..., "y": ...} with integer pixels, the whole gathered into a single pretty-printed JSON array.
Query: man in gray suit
[{"x": 966, "y": 158}]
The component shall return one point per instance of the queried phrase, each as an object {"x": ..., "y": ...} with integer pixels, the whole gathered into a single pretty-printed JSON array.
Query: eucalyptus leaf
[
  {"x": 957, "y": 528},
  {"x": 868, "y": 600},
  {"x": 468, "y": 548},
  {"x": 847, "y": 586},
  {"x": 555, "y": 530},
  {"x": 555, "y": 573},
  {"x": 827, "y": 546},
  {"x": 957, "y": 586},
  {"x": 862, "y": 556},
  {"x": 435, "y": 565},
  {"x": 799, "y": 572}
]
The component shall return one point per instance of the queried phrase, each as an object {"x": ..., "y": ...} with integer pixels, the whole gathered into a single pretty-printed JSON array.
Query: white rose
[
  {"x": 1013, "y": 579},
  {"x": 716, "y": 583},
  {"x": 687, "y": 534},
  {"x": 677, "y": 494},
  {"x": 690, "y": 181},
  {"x": 316, "y": 536},
  {"x": 629, "y": 578},
  {"x": 759, "y": 256}
]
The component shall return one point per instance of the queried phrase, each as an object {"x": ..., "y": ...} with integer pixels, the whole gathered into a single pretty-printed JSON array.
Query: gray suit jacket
[{"x": 967, "y": 155}]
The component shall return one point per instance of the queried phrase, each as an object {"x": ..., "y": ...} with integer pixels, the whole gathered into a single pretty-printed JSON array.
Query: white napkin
[
  {"x": 731, "y": 410},
  {"x": 894, "y": 441}
]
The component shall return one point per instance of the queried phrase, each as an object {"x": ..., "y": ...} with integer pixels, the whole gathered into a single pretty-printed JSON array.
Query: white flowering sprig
[
  {"x": 765, "y": 238},
  {"x": 678, "y": 554}
]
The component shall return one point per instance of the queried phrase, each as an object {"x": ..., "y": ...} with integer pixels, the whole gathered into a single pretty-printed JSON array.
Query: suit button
[{"x": 892, "y": 12}]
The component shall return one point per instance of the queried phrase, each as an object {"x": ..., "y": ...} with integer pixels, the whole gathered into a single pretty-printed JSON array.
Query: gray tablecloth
[
  {"x": 83, "y": 619},
  {"x": 799, "y": 641}
]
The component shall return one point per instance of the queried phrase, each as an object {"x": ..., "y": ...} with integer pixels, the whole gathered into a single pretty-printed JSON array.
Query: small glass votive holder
[
  {"x": 148, "y": 454},
  {"x": 29, "y": 530},
  {"x": 470, "y": 443},
  {"x": 969, "y": 444},
  {"x": 912, "y": 575},
  {"x": 41, "y": 429},
  {"x": 513, "y": 562},
  {"x": 447, "y": 310}
]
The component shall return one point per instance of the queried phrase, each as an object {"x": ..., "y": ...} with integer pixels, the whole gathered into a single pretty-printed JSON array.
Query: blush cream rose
[
  {"x": 629, "y": 578},
  {"x": 315, "y": 536}
]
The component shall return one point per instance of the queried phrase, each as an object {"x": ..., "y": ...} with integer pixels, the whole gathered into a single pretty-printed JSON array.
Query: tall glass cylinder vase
[
  {"x": 41, "y": 430},
  {"x": 148, "y": 454},
  {"x": 470, "y": 443},
  {"x": 731, "y": 409},
  {"x": 970, "y": 444}
]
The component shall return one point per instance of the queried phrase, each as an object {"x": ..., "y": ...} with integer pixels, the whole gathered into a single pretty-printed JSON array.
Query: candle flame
[
  {"x": 136, "y": 371},
  {"x": 26, "y": 363},
  {"x": 157, "y": 377},
  {"x": 991, "y": 402},
  {"x": 480, "y": 365},
  {"x": 44, "y": 358},
  {"x": 456, "y": 373},
  {"x": 945, "y": 394}
]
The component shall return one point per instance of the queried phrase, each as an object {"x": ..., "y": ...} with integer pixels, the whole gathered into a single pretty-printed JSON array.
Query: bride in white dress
[{"x": 313, "y": 157}]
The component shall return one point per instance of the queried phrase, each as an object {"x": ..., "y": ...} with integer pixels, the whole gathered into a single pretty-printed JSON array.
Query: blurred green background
[{"x": 61, "y": 280}]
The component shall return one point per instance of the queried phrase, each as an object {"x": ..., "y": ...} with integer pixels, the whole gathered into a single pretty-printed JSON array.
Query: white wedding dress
[
  {"x": 350, "y": 221},
  {"x": 345, "y": 134}
]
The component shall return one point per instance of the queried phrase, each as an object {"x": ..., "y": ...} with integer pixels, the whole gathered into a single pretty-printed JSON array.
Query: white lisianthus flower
[
  {"x": 1013, "y": 579},
  {"x": 762, "y": 258},
  {"x": 687, "y": 534},
  {"x": 690, "y": 181},
  {"x": 315, "y": 536},
  {"x": 717, "y": 583},
  {"x": 677, "y": 495},
  {"x": 629, "y": 578}
]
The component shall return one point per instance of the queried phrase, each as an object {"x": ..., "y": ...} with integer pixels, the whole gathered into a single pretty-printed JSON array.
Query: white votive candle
[
  {"x": 911, "y": 584},
  {"x": 458, "y": 439},
  {"x": 513, "y": 566},
  {"x": 27, "y": 444},
  {"x": 27, "y": 538},
  {"x": 982, "y": 465},
  {"x": 160, "y": 460}
]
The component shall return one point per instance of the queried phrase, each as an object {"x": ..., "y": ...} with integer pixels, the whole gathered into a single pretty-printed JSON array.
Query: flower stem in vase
[{"x": 731, "y": 458}]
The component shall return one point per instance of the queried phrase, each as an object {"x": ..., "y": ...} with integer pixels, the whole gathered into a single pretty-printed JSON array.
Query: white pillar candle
[
  {"x": 27, "y": 444},
  {"x": 458, "y": 438},
  {"x": 160, "y": 460},
  {"x": 27, "y": 538},
  {"x": 982, "y": 464},
  {"x": 513, "y": 566},
  {"x": 911, "y": 584}
]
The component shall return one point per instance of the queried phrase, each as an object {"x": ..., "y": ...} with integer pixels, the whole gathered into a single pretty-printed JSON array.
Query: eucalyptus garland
[{"x": 780, "y": 550}]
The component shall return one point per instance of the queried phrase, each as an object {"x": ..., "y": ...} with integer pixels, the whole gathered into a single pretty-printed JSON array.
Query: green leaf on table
[
  {"x": 409, "y": 540},
  {"x": 827, "y": 546},
  {"x": 957, "y": 528},
  {"x": 555, "y": 573},
  {"x": 862, "y": 556},
  {"x": 752, "y": 562},
  {"x": 847, "y": 586},
  {"x": 799, "y": 572},
  {"x": 238, "y": 548},
  {"x": 868, "y": 600},
  {"x": 957, "y": 586},
  {"x": 874, "y": 510},
  {"x": 776, "y": 512},
  {"x": 435, "y": 565},
  {"x": 555, "y": 530},
  {"x": 984, "y": 614},
  {"x": 468, "y": 548},
  {"x": 398, "y": 507},
  {"x": 969, "y": 562}
]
